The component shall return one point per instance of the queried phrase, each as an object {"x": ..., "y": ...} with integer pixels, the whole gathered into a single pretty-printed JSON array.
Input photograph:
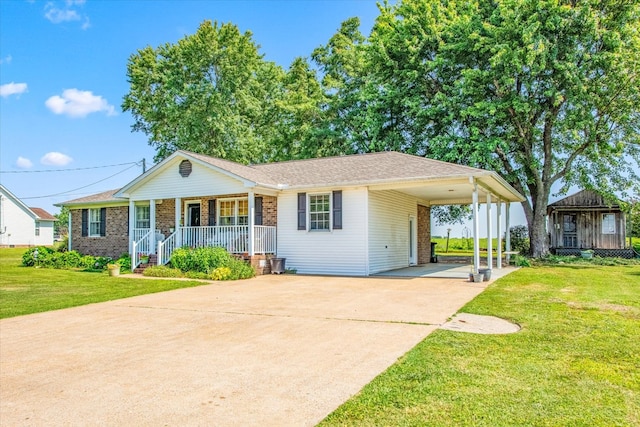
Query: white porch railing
[
  {"x": 234, "y": 238},
  {"x": 138, "y": 233},
  {"x": 139, "y": 247}
]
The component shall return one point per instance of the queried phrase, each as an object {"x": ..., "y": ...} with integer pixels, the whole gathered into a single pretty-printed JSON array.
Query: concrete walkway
[{"x": 271, "y": 351}]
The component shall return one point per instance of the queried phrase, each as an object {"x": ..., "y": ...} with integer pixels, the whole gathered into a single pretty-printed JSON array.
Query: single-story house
[
  {"x": 585, "y": 220},
  {"x": 21, "y": 225},
  {"x": 347, "y": 215}
]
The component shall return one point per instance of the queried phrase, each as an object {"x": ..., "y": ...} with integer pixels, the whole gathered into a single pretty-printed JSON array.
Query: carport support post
[
  {"x": 489, "y": 234},
  {"x": 507, "y": 237},
  {"x": 476, "y": 230},
  {"x": 499, "y": 233}
]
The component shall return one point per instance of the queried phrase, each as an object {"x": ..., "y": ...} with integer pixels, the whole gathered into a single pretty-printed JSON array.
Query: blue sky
[{"x": 63, "y": 77}]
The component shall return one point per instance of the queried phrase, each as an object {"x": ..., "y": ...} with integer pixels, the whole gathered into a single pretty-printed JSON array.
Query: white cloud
[
  {"x": 54, "y": 158},
  {"x": 66, "y": 13},
  {"x": 23, "y": 163},
  {"x": 12, "y": 89},
  {"x": 6, "y": 60},
  {"x": 78, "y": 103},
  {"x": 56, "y": 15}
]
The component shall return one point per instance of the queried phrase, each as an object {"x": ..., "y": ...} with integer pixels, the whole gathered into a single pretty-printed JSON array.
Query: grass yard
[
  {"x": 26, "y": 290},
  {"x": 576, "y": 361}
]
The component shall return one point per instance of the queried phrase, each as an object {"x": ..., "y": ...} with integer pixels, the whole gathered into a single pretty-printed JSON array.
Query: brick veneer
[
  {"x": 116, "y": 241},
  {"x": 424, "y": 234}
]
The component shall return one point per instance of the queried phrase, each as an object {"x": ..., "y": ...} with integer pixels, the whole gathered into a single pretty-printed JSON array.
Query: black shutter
[
  {"x": 212, "y": 212},
  {"x": 85, "y": 222},
  {"x": 302, "y": 211},
  {"x": 103, "y": 222},
  {"x": 337, "y": 210},
  {"x": 258, "y": 208}
]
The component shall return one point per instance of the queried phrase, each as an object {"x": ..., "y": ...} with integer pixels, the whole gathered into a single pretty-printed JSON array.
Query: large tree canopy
[
  {"x": 211, "y": 92},
  {"x": 541, "y": 91}
]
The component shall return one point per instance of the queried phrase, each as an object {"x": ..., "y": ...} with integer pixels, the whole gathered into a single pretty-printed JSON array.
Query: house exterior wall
[
  {"x": 388, "y": 228},
  {"x": 424, "y": 234},
  {"x": 168, "y": 184},
  {"x": 46, "y": 233},
  {"x": 17, "y": 225},
  {"x": 116, "y": 239},
  {"x": 339, "y": 252}
]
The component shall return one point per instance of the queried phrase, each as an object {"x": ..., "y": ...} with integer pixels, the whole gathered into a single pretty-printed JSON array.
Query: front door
[
  {"x": 413, "y": 247},
  {"x": 193, "y": 214}
]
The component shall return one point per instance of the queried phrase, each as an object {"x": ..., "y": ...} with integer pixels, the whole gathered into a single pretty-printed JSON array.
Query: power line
[
  {"x": 80, "y": 188},
  {"x": 74, "y": 169}
]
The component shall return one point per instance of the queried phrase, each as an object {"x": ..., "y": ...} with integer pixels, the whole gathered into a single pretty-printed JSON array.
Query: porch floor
[{"x": 443, "y": 271}]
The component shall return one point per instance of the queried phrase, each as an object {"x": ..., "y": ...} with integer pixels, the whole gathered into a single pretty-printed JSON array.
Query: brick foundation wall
[
  {"x": 424, "y": 234},
  {"x": 116, "y": 241}
]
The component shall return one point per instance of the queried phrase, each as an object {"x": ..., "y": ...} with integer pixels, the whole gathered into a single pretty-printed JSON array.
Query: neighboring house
[
  {"x": 21, "y": 225},
  {"x": 586, "y": 221},
  {"x": 348, "y": 215}
]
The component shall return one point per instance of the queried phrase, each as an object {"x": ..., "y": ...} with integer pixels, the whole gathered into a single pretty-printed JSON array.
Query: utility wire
[
  {"x": 74, "y": 169},
  {"x": 80, "y": 188}
]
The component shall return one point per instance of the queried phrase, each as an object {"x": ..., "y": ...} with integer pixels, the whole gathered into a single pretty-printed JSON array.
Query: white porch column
[
  {"x": 178, "y": 215},
  {"x": 476, "y": 230},
  {"x": 507, "y": 238},
  {"x": 499, "y": 233},
  {"x": 152, "y": 226},
  {"x": 132, "y": 223},
  {"x": 252, "y": 220},
  {"x": 489, "y": 234}
]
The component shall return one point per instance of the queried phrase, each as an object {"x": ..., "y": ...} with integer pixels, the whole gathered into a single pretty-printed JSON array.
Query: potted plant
[
  {"x": 144, "y": 258},
  {"x": 587, "y": 254},
  {"x": 113, "y": 269}
]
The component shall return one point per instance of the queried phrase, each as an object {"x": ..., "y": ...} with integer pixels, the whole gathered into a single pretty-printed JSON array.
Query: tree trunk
[{"x": 536, "y": 221}]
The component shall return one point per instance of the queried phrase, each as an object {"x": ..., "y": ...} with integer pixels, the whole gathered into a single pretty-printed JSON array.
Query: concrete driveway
[{"x": 275, "y": 350}]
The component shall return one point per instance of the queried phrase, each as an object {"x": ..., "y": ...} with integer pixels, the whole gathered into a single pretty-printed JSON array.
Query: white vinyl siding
[
  {"x": 19, "y": 225},
  {"x": 389, "y": 213},
  {"x": 335, "y": 252},
  {"x": 168, "y": 184}
]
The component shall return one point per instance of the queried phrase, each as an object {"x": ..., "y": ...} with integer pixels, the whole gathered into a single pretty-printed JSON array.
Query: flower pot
[
  {"x": 114, "y": 270},
  {"x": 144, "y": 260},
  {"x": 486, "y": 272},
  {"x": 478, "y": 277},
  {"x": 277, "y": 265}
]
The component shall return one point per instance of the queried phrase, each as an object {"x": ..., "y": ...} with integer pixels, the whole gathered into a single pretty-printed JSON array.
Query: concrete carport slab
[{"x": 275, "y": 350}]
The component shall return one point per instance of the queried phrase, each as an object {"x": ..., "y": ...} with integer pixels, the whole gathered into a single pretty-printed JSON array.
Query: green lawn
[
  {"x": 25, "y": 290},
  {"x": 576, "y": 361}
]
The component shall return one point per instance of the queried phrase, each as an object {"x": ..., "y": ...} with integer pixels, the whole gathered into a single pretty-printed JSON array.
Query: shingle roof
[
  {"x": 43, "y": 215},
  {"x": 105, "y": 196},
  {"x": 369, "y": 168}
]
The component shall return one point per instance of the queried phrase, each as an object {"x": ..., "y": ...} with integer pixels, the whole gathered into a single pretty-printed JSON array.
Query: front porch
[{"x": 243, "y": 224}]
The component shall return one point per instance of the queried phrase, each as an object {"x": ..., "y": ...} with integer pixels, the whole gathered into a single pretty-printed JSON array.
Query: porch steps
[{"x": 153, "y": 260}]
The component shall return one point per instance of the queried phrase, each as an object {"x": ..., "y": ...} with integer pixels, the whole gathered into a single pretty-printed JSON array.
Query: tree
[
  {"x": 61, "y": 226},
  {"x": 544, "y": 92},
  {"x": 211, "y": 93}
]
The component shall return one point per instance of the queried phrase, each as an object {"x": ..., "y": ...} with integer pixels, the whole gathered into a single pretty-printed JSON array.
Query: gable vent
[{"x": 185, "y": 168}]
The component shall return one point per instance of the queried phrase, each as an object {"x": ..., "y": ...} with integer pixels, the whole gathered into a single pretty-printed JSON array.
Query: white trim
[
  {"x": 489, "y": 233},
  {"x": 89, "y": 221},
  {"x": 413, "y": 240},
  {"x": 476, "y": 229},
  {"x": 235, "y": 208},
  {"x": 499, "y": 233}
]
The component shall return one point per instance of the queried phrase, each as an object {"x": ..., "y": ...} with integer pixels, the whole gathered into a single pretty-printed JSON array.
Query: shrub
[
  {"x": 161, "y": 271},
  {"x": 125, "y": 262},
  {"x": 208, "y": 263}
]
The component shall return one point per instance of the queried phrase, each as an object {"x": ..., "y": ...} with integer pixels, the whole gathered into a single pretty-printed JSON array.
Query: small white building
[{"x": 21, "y": 225}]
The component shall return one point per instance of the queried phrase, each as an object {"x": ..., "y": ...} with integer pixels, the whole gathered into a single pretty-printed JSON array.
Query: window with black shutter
[
  {"x": 258, "y": 210},
  {"x": 212, "y": 213},
  {"x": 85, "y": 222},
  {"x": 337, "y": 210}
]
